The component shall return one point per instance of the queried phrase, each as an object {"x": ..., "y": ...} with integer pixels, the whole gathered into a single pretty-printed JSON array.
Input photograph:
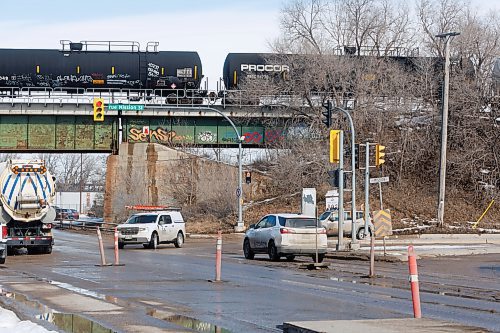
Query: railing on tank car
[{"x": 152, "y": 97}]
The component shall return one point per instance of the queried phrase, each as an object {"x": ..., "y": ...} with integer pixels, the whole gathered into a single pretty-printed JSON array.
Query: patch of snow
[{"x": 9, "y": 323}]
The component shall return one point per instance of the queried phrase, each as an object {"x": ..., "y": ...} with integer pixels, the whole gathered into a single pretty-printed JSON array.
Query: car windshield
[
  {"x": 141, "y": 219},
  {"x": 297, "y": 222},
  {"x": 325, "y": 215}
]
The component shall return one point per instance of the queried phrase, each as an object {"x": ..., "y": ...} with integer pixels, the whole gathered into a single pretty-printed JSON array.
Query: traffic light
[
  {"x": 335, "y": 146},
  {"x": 248, "y": 177},
  {"x": 327, "y": 113},
  {"x": 334, "y": 177},
  {"x": 356, "y": 156},
  {"x": 98, "y": 109},
  {"x": 379, "y": 154}
]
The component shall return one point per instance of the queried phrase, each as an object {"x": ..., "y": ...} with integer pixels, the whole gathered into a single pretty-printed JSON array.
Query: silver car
[
  {"x": 330, "y": 221},
  {"x": 285, "y": 235}
]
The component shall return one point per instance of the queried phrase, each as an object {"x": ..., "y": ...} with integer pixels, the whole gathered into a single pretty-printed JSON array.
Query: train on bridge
[{"x": 93, "y": 67}]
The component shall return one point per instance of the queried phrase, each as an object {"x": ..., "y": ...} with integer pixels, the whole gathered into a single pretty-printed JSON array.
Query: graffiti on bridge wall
[
  {"x": 168, "y": 136},
  {"x": 159, "y": 135}
]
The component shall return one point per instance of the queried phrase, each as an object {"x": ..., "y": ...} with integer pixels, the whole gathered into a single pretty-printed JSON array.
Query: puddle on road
[
  {"x": 68, "y": 322},
  {"x": 187, "y": 322}
]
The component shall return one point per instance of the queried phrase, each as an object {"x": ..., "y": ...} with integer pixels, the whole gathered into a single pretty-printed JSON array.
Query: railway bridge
[{"x": 54, "y": 120}]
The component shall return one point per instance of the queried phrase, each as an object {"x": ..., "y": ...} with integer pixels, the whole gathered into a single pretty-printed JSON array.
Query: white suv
[
  {"x": 285, "y": 235},
  {"x": 153, "y": 228}
]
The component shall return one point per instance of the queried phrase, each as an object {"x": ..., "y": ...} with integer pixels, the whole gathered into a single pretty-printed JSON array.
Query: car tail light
[
  {"x": 4, "y": 231},
  {"x": 286, "y": 231}
]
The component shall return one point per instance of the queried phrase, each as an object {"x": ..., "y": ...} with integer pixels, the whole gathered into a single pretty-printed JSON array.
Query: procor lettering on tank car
[
  {"x": 79, "y": 67},
  {"x": 240, "y": 66}
]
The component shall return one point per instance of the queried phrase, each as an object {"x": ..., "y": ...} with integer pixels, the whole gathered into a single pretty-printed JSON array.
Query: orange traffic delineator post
[
  {"x": 101, "y": 248},
  {"x": 218, "y": 257},
  {"x": 117, "y": 258},
  {"x": 415, "y": 292}
]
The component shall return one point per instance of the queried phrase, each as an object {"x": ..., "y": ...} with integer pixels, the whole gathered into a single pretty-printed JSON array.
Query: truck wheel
[
  {"x": 2, "y": 261},
  {"x": 153, "y": 243},
  {"x": 46, "y": 249},
  {"x": 179, "y": 240}
]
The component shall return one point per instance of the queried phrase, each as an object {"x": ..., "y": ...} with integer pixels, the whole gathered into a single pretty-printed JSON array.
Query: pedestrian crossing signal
[{"x": 248, "y": 177}]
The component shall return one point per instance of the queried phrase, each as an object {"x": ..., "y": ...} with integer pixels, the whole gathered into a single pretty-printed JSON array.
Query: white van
[
  {"x": 153, "y": 228},
  {"x": 330, "y": 221}
]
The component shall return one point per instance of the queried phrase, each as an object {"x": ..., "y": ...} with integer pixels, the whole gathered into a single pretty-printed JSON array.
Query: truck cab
[{"x": 153, "y": 228}]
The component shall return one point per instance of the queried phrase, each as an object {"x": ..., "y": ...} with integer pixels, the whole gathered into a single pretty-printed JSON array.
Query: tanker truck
[{"x": 26, "y": 199}]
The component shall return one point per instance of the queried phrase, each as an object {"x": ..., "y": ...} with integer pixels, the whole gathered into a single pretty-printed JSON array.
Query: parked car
[
  {"x": 330, "y": 221},
  {"x": 153, "y": 228},
  {"x": 75, "y": 213},
  {"x": 61, "y": 214},
  {"x": 285, "y": 235}
]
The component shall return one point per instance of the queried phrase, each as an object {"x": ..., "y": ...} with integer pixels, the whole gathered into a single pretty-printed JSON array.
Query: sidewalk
[
  {"x": 427, "y": 245},
  {"x": 378, "y": 325}
]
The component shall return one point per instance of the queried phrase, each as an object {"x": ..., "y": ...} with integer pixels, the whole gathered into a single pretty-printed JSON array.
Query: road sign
[
  {"x": 382, "y": 222},
  {"x": 126, "y": 107},
  {"x": 238, "y": 192},
  {"x": 379, "y": 180}
]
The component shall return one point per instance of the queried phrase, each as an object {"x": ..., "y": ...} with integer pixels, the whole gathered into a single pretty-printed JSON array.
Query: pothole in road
[
  {"x": 187, "y": 322},
  {"x": 67, "y": 322}
]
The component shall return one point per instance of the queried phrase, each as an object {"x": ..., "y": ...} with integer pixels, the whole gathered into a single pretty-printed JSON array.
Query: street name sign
[
  {"x": 126, "y": 107},
  {"x": 379, "y": 180}
]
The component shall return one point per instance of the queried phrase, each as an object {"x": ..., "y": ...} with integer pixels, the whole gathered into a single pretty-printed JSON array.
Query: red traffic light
[{"x": 98, "y": 103}]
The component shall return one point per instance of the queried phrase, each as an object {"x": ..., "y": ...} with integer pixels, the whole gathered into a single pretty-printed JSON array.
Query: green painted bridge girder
[
  {"x": 56, "y": 133},
  {"x": 79, "y": 133}
]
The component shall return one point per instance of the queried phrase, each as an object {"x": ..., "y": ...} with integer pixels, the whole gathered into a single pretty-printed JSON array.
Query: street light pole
[
  {"x": 444, "y": 127},
  {"x": 354, "y": 244}
]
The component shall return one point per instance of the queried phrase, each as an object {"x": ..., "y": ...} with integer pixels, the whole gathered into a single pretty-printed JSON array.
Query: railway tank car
[
  {"x": 239, "y": 66},
  {"x": 77, "y": 65}
]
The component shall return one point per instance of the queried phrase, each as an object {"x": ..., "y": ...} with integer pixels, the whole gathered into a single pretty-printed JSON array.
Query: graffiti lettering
[
  {"x": 136, "y": 134},
  {"x": 207, "y": 136},
  {"x": 162, "y": 135},
  {"x": 273, "y": 135},
  {"x": 118, "y": 76},
  {"x": 4, "y": 78},
  {"x": 75, "y": 78},
  {"x": 253, "y": 137}
]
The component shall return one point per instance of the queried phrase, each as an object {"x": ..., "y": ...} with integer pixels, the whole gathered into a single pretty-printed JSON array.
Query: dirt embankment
[{"x": 412, "y": 209}]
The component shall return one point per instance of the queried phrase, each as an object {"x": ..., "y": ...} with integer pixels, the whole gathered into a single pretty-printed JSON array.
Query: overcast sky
[{"x": 213, "y": 28}]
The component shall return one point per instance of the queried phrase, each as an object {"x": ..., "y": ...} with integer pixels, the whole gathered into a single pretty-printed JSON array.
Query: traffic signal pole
[
  {"x": 340, "y": 245},
  {"x": 367, "y": 189}
]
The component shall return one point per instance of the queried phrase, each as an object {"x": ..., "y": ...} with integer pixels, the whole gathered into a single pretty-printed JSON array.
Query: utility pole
[{"x": 444, "y": 127}]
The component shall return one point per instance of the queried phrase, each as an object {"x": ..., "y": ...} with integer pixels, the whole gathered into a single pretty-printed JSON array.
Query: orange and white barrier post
[
  {"x": 117, "y": 259},
  {"x": 415, "y": 293},
  {"x": 218, "y": 257},
  {"x": 101, "y": 247}
]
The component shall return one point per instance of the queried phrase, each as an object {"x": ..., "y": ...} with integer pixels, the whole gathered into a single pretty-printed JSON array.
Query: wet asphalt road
[{"x": 257, "y": 295}]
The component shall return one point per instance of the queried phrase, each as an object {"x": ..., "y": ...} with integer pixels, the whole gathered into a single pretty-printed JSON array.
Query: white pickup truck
[{"x": 153, "y": 228}]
